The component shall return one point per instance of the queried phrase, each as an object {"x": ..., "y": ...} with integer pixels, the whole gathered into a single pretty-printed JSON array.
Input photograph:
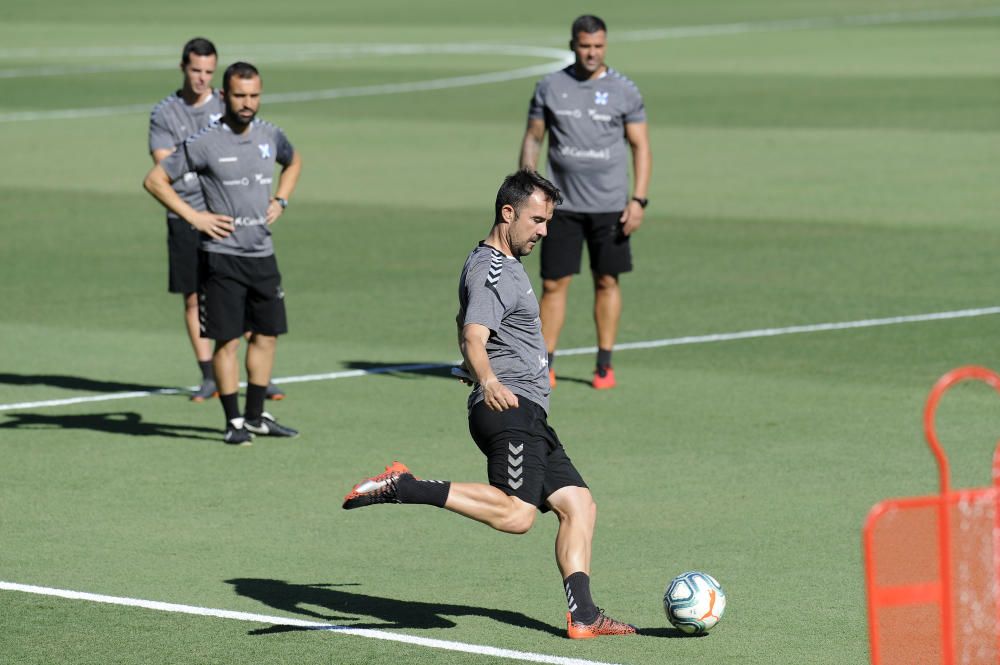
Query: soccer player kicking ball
[{"x": 501, "y": 341}]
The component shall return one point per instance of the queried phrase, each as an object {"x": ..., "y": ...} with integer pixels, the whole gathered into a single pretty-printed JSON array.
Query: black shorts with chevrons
[{"x": 524, "y": 456}]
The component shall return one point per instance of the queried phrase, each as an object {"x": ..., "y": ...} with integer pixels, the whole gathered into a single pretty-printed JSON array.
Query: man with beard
[
  {"x": 239, "y": 285},
  {"x": 591, "y": 111},
  {"x": 501, "y": 341}
]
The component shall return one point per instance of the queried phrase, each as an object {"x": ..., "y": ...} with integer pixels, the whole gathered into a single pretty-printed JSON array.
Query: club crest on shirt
[
  {"x": 600, "y": 98},
  {"x": 265, "y": 150}
]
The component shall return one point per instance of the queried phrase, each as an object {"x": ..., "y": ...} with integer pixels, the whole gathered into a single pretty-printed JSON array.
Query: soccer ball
[{"x": 694, "y": 602}]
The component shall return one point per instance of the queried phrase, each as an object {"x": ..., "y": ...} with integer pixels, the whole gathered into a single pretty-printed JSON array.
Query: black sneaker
[
  {"x": 274, "y": 392},
  {"x": 237, "y": 434},
  {"x": 266, "y": 425},
  {"x": 207, "y": 390}
]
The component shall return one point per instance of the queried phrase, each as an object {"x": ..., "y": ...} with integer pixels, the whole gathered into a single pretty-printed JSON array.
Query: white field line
[
  {"x": 559, "y": 58},
  {"x": 525, "y": 656},
  {"x": 627, "y": 346},
  {"x": 317, "y": 51}
]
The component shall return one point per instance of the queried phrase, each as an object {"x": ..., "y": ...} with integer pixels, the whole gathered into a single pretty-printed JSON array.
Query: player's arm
[
  {"x": 473, "y": 342},
  {"x": 287, "y": 180},
  {"x": 637, "y": 135},
  {"x": 157, "y": 183},
  {"x": 160, "y": 154},
  {"x": 531, "y": 145}
]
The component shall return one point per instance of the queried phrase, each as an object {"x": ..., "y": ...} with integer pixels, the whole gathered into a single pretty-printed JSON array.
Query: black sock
[
  {"x": 603, "y": 358},
  {"x": 206, "y": 370},
  {"x": 581, "y": 605},
  {"x": 255, "y": 401},
  {"x": 430, "y": 492},
  {"x": 552, "y": 359},
  {"x": 231, "y": 405}
]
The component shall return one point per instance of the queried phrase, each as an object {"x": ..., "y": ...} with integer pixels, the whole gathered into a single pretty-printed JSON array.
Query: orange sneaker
[
  {"x": 604, "y": 378},
  {"x": 378, "y": 489},
  {"x": 552, "y": 378},
  {"x": 602, "y": 625}
]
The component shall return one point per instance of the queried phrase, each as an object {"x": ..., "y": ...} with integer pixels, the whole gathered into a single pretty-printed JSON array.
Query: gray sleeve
[
  {"x": 635, "y": 111},
  {"x": 485, "y": 305},
  {"x": 283, "y": 149},
  {"x": 536, "y": 108},
  {"x": 160, "y": 136},
  {"x": 184, "y": 159}
]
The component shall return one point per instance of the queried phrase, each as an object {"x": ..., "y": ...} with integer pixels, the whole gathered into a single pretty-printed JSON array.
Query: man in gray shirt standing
[
  {"x": 195, "y": 106},
  {"x": 501, "y": 340},
  {"x": 239, "y": 284},
  {"x": 590, "y": 111}
]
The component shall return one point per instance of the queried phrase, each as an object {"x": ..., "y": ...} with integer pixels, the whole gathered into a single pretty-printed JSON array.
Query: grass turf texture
[{"x": 801, "y": 177}]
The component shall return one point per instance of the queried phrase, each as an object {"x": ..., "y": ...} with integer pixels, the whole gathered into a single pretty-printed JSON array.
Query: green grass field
[{"x": 819, "y": 172}]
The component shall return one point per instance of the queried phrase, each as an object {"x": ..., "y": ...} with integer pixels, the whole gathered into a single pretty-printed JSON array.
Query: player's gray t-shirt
[
  {"x": 172, "y": 121},
  {"x": 588, "y": 153},
  {"x": 494, "y": 291},
  {"x": 235, "y": 171}
]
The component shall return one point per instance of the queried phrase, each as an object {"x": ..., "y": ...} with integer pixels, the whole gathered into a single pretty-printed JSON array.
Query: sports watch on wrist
[
  {"x": 641, "y": 201},
  {"x": 284, "y": 202}
]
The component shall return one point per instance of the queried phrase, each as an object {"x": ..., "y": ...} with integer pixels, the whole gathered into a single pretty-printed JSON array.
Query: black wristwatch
[
  {"x": 284, "y": 202},
  {"x": 642, "y": 202}
]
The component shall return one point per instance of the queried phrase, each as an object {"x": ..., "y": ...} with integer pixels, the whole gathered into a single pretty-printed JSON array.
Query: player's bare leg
[
  {"x": 577, "y": 513},
  {"x": 273, "y": 391},
  {"x": 201, "y": 346},
  {"x": 225, "y": 363},
  {"x": 607, "y": 314},
  {"x": 260, "y": 362},
  {"x": 552, "y": 311},
  {"x": 485, "y": 503},
  {"x": 226, "y": 366}
]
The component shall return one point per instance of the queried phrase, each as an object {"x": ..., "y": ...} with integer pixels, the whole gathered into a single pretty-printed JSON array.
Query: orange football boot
[
  {"x": 378, "y": 489},
  {"x": 602, "y": 625}
]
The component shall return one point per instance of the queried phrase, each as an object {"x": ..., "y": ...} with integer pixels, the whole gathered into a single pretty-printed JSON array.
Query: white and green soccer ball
[{"x": 694, "y": 602}]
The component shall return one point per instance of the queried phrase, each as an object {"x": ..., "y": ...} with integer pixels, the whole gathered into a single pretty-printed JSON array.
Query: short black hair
[
  {"x": 517, "y": 187},
  {"x": 244, "y": 70},
  {"x": 197, "y": 46},
  {"x": 587, "y": 23}
]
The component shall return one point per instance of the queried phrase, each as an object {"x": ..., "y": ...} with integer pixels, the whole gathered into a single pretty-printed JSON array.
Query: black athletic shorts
[
  {"x": 524, "y": 456},
  {"x": 182, "y": 254},
  {"x": 239, "y": 294},
  {"x": 607, "y": 245}
]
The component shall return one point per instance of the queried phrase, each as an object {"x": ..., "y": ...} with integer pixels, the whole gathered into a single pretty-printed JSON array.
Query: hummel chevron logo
[{"x": 514, "y": 468}]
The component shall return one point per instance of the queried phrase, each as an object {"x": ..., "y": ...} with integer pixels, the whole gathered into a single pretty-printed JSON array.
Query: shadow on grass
[
  {"x": 403, "y": 370},
  {"x": 128, "y": 423},
  {"x": 74, "y": 383},
  {"x": 356, "y": 610}
]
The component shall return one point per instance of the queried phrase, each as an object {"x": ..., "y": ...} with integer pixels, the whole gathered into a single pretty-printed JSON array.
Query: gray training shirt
[
  {"x": 588, "y": 154},
  {"x": 495, "y": 291},
  {"x": 235, "y": 171},
  {"x": 172, "y": 121}
]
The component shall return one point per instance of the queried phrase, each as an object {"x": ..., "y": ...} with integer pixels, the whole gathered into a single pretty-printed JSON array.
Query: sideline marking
[
  {"x": 313, "y": 51},
  {"x": 283, "y": 621},
  {"x": 652, "y": 344}
]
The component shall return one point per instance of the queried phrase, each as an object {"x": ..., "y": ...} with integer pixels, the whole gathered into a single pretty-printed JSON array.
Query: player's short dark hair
[
  {"x": 517, "y": 187},
  {"x": 587, "y": 23},
  {"x": 197, "y": 46},
  {"x": 243, "y": 70}
]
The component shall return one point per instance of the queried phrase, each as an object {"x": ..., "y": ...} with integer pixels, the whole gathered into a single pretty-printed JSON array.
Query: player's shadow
[
  {"x": 673, "y": 633},
  {"x": 340, "y": 607},
  {"x": 403, "y": 370},
  {"x": 73, "y": 383},
  {"x": 128, "y": 423}
]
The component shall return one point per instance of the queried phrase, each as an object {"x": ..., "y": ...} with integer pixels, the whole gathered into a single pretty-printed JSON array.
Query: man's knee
[
  {"x": 556, "y": 287},
  {"x": 605, "y": 282},
  {"x": 519, "y": 518}
]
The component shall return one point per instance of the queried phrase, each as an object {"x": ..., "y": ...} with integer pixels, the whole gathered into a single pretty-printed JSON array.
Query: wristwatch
[
  {"x": 641, "y": 201},
  {"x": 284, "y": 202}
]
